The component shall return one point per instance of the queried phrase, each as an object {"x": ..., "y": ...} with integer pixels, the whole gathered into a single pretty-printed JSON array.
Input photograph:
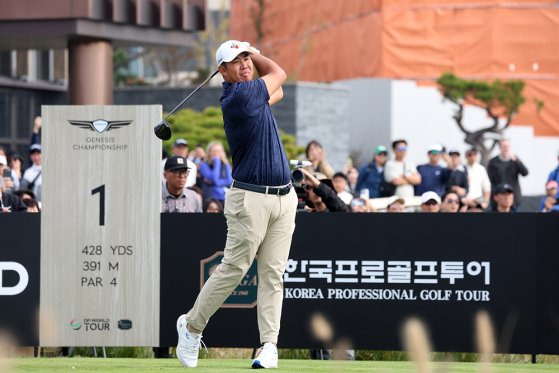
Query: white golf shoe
[
  {"x": 267, "y": 357},
  {"x": 188, "y": 345}
]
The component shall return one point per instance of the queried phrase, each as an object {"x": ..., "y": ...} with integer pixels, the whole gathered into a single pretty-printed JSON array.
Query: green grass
[{"x": 76, "y": 365}]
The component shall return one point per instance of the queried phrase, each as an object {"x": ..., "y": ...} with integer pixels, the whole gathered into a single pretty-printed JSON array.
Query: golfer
[{"x": 260, "y": 207}]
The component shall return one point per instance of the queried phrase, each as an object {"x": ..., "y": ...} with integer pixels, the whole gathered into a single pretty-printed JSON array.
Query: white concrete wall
[
  {"x": 322, "y": 114},
  {"x": 369, "y": 116}
]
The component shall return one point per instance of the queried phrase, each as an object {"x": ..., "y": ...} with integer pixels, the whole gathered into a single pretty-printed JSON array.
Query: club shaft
[{"x": 190, "y": 95}]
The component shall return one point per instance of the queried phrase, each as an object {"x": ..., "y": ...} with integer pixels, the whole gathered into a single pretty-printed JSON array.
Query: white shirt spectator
[
  {"x": 478, "y": 181},
  {"x": 33, "y": 173},
  {"x": 394, "y": 169}
]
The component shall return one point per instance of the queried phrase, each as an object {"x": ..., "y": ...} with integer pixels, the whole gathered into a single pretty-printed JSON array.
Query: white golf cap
[
  {"x": 230, "y": 49},
  {"x": 3, "y": 160},
  {"x": 435, "y": 148},
  {"x": 427, "y": 196}
]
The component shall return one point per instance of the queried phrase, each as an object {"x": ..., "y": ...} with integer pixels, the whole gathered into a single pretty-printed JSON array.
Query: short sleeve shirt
[{"x": 252, "y": 133}]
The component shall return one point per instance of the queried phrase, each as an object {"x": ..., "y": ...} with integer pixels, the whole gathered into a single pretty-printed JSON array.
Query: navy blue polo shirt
[
  {"x": 252, "y": 133},
  {"x": 433, "y": 178}
]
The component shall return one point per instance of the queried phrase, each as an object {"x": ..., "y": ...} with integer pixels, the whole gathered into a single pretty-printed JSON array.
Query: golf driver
[{"x": 163, "y": 129}]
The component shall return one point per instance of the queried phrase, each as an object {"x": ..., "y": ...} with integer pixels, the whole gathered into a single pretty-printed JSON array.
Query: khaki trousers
[{"x": 258, "y": 225}]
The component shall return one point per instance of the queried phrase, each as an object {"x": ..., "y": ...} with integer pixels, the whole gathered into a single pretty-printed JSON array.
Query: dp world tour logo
[
  {"x": 100, "y": 125},
  {"x": 244, "y": 296},
  {"x": 75, "y": 324}
]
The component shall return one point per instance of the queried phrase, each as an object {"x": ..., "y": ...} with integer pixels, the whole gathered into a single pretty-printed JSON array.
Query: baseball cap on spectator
[
  {"x": 501, "y": 188},
  {"x": 35, "y": 148},
  {"x": 453, "y": 151},
  {"x": 430, "y": 196},
  {"x": 180, "y": 142},
  {"x": 381, "y": 149},
  {"x": 230, "y": 49},
  {"x": 435, "y": 148},
  {"x": 395, "y": 199},
  {"x": 551, "y": 184},
  {"x": 176, "y": 163},
  {"x": 3, "y": 160}
]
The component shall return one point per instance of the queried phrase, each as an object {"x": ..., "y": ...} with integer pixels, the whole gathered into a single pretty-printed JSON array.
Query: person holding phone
[
  {"x": 7, "y": 181},
  {"x": 15, "y": 163}
]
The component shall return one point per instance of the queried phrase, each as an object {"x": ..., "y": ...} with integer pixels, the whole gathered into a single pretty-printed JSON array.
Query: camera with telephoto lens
[
  {"x": 297, "y": 176},
  {"x": 297, "y": 179}
]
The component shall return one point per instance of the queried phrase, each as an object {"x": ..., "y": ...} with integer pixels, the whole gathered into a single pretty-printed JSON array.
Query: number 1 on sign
[{"x": 101, "y": 191}]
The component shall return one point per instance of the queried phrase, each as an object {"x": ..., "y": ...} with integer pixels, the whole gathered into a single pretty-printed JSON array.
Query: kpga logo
[{"x": 23, "y": 278}]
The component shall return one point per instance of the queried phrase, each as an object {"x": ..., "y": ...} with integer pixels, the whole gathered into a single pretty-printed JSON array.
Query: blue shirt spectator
[
  {"x": 433, "y": 176},
  {"x": 554, "y": 175},
  {"x": 371, "y": 176},
  {"x": 549, "y": 203},
  {"x": 216, "y": 172}
]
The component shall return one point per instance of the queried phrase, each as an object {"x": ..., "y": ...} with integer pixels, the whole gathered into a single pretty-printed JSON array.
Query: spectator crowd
[
  {"x": 197, "y": 180},
  {"x": 388, "y": 183}
]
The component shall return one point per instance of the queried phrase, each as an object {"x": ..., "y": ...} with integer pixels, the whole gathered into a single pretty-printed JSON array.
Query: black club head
[{"x": 162, "y": 130}]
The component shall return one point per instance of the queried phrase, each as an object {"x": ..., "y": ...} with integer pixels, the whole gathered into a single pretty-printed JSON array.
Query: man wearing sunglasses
[
  {"x": 175, "y": 197},
  {"x": 400, "y": 173}
]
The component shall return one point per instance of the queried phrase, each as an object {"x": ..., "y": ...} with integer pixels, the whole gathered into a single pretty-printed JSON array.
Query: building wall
[
  {"x": 18, "y": 108},
  {"x": 369, "y": 116},
  {"x": 332, "y": 40},
  {"x": 322, "y": 114}
]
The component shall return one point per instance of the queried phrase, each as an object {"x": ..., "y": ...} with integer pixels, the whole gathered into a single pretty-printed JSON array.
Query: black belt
[{"x": 281, "y": 191}]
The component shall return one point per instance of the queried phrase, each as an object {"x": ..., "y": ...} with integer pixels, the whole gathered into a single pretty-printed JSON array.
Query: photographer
[{"x": 322, "y": 196}]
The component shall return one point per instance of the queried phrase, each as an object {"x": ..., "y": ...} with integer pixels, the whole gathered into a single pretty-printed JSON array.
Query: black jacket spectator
[
  {"x": 506, "y": 172},
  {"x": 457, "y": 178},
  {"x": 12, "y": 202},
  {"x": 330, "y": 198}
]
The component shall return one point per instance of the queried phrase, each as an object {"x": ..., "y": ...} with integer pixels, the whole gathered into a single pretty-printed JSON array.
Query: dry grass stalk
[
  {"x": 7, "y": 345},
  {"x": 485, "y": 340},
  {"x": 321, "y": 328},
  {"x": 417, "y": 344}
]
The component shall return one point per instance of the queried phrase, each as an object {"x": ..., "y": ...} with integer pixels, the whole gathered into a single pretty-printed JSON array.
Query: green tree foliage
[
  {"x": 501, "y": 101},
  {"x": 500, "y": 98},
  {"x": 206, "y": 126},
  {"x": 120, "y": 66}
]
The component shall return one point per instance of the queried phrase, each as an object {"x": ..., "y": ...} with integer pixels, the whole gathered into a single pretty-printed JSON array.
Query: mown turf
[{"x": 75, "y": 365}]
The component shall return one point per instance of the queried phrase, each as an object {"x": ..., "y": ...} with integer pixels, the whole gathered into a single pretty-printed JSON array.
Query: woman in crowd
[
  {"x": 212, "y": 205},
  {"x": 216, "y": 172}
]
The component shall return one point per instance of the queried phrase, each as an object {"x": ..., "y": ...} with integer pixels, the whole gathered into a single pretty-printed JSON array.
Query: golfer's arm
[
  {"x": 276, "y": 96},
  {"x": 272, "y": 74}
]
